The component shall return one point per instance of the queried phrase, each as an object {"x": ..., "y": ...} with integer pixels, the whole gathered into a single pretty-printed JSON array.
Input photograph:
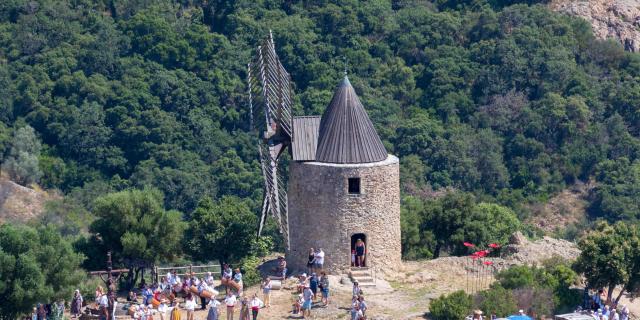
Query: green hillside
[{"x": 503, "y": 104}]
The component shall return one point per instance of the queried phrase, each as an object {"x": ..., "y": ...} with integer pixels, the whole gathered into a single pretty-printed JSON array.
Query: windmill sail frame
[{"x": 270, "y": 95}]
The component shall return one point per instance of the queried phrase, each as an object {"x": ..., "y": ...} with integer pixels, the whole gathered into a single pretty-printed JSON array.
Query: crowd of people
[
  {"x": 595, "y": 304},
  {"x": 307, "y": 289},
  {"x": 178, "y": 294}
]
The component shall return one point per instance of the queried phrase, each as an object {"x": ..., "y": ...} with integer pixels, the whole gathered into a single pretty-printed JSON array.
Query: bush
[
  {"x": 516, "y": 277},
  {"x": 250, "y": 272},
  {"x": 497, "y": 300},
  {"x": 454, "y": 306}
]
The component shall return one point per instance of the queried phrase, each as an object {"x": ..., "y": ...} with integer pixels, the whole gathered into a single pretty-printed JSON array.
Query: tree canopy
[
  {"x": 37, "y": 265},
  {"x": 135, "y": 227},
  {"x": 610, "y": 257}
]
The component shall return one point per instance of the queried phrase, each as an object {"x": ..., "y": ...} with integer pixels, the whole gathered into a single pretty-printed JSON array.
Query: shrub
[
  {"x": 454, "y": 306},
  {"x": 516, "y": 277},
  {"x": 497, "y": 300},
  {"x": 251, "y": 274}
]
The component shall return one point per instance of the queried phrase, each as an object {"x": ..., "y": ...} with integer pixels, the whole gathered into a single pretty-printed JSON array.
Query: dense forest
[{"x": 497, "y": 104}]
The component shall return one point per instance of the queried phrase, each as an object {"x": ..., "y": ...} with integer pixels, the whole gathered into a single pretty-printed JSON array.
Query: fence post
[{"x": 190, "y": 270}]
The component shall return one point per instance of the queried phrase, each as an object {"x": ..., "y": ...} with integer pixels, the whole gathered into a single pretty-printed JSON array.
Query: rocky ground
[{"x": 618, "y": 19}]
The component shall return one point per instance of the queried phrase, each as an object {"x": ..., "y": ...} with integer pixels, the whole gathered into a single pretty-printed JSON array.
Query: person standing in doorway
[{"x": 360, "y": 253}]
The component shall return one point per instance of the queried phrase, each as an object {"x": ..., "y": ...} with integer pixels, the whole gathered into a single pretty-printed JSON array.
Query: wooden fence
[{"x": 182, "y": 271}]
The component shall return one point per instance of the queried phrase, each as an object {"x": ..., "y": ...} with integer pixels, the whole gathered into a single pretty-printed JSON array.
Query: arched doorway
[{"x": 355, "y": 261}]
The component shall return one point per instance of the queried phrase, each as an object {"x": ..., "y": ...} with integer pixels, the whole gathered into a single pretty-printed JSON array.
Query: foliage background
[{"x": 491, "y": 105}]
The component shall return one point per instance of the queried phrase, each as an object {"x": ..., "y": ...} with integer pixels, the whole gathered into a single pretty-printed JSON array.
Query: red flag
[
  {"x": 488, "y": 263},
  {"x": 494, "y": 246},
  {"x": 468, "y": 244}
]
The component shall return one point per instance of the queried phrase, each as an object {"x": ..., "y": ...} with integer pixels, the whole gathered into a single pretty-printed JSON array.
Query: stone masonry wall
[{"x": 322, "y": 214}]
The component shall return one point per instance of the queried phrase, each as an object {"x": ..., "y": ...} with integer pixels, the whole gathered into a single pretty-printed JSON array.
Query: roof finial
[{"x": 345, "y": 65}]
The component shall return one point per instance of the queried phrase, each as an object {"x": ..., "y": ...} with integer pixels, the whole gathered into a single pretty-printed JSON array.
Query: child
[
  {"x": 353, "y": 257},
  {"x": 297, "y": 304}
]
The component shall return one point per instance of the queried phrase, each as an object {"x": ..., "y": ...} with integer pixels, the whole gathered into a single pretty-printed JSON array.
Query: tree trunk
[
  {"x": 610, "y": 292},
  {"x": 130, "y": 278},
  {"x": 620, "y": 294},
  {"x": 436, "y": 251}
]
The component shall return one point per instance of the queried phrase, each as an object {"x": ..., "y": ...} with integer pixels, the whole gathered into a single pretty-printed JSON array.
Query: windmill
[
  {"x": 270, "y": 100},
  {"x": 341, "y": 184}
]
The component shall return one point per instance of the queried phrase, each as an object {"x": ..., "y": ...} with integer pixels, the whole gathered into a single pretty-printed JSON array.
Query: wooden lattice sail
[{"x": 270, "y": 98}]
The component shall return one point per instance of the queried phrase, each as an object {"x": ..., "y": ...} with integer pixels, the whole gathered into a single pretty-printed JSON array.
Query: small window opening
[{"x": 354, "y": 185}]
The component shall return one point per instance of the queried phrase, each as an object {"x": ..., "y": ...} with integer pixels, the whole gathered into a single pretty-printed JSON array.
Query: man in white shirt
[
  {"x": 230, "y": 302},
  {"x": 319, "y": 260}
]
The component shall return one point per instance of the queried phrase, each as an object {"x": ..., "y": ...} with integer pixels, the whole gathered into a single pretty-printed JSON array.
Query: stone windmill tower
[{"x": 342, "y": 186}]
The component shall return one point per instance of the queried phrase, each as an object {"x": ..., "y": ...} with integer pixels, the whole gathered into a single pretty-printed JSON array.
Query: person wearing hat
[
  {"x": 306, "y": 306},
  {"x": 282, "y": 267},
  {"x": 76, "y": 304},
  {"x": 477, "y": 315},
  {"x": 302, "y": 281}
]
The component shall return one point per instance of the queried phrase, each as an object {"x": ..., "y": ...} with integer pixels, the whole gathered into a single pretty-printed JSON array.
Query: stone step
[
  {"x": 363, "y": 279},
  {"x": 360, "y": 273},
  {"x": 367, "y": 284},
  {"x": 358, "y": 268}
]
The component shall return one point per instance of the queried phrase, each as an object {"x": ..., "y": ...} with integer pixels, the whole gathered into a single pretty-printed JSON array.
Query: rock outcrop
[{"x": 618, "y": 19}]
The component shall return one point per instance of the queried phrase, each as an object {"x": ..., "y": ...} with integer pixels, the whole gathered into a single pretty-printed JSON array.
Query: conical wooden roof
[{"x": 346, "y": 133}]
